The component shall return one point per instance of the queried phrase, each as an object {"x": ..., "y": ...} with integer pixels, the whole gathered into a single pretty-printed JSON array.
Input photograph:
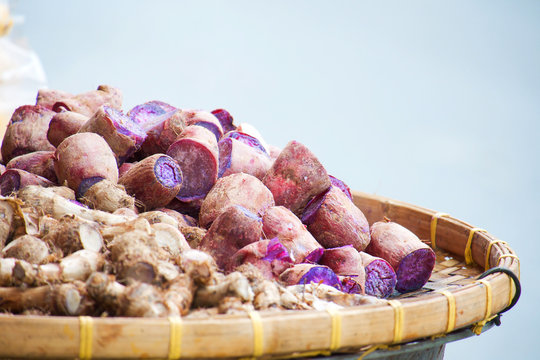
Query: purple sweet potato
[
  {"x": 335, "y": 221},
  {"x": 341, "y": 185},
  {"x": 191, "y": 208},
  {"x": 412, "y": 260},
  {"x": 380, "y": 276},
  {"x": 13, "y": 180},
  {"x": 154, "y": 181},
  {"x": 347, "y": 262},
  {"x": 236, "y": 157},
  {"x": 247, "y": 139},
  {"x": 225, "y": 119},
  {"x": 304, "y": 274},
  {"x": 279, "y": 222},
  {"x": 27, "y": 132},
  {"x": 233, "y": 229},
  {"x": 83, "y": 156},
  {"x": 122, "y": 134},
  {"x": 352, "y": 284},
  {"x": 197, "y": 153},
  {"x": 89, "y": 102},
  {"x": 38, "y": 162},
  {"x": 236, "y": 189},
  {"x": 64, "y": 124},
  {"x": 149, "y": 111},
  {"x": 204, "y": 119},
  {"x": 269, "y": 256},
  {"x": 274, "y": 151},
  {"x": 162, "y": 131},
  {"x": 48, "y": 97},
  {"x": 124, "y": 168},
  {"x": 295, "y": 177}
]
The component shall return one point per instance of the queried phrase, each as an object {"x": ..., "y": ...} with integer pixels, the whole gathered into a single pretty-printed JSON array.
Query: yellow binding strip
[
  {"x": 477, "y": 328},
  {"x": 513, "y": 256},
  {"x": 434, "y": 219},
  {"x": 468, "y": 248},
  {"x": 488, "y": 252},
  {"x": 175, "y": 337},
  {"x": 398, "y": 320},
  {"x": 335, "y": 338},
  {"x": 451, "y": 323},
  {"x": 86, "y": 328},
  {"x": 256, "y": 322}
]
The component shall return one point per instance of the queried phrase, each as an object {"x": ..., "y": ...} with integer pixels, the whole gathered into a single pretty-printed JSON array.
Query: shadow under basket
[{"x": 476, "y": 277}]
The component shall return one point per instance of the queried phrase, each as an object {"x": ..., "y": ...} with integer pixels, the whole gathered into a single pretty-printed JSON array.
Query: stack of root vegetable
[{"x": 165, "y": 211}]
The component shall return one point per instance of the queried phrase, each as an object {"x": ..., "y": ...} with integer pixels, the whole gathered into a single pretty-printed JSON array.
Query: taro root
[
  {"x": 27, "y": 132},
  {"x": 412, "y": 260},
  {"x": 193, "y": 235},
  {"x": 225, "y": 119},
  {"x": 196, "y": 151},
  {"x": 88, "y": 103},
  {"x": 106, "y": 196},
  {"x": 72, "y": 233},
  {"x": 380, "y": 276},
  {"x": 335, "y": 221},
  {"x": 304, "y": 274},
  {"x": 270, "y": 257},
  {"x": 38, "y": 162},
  {"x": 170, "y": 239},
  {"x": 295, "y": 177},
  {"x": 203, "y": 119},
  {"x": 153, "y": 181},
  {"x": 280, "y": 222},
  {"x": 183, "y": 220},
  {"x": 83, "y": 157},
  {"x": 340, "y": 185},
  {"x": 8, "y": 208},
  {"x": 233, "y": 229},
  {"x": 64, "y": 124},
  {"x": 48, "y": 97},
  {"x": 236, "y": 189},
  {"x": 12, "y": 180},
  {"x": 347, "y": 262},
  {"x": 233, "y": 285},
  {"x": 198, "y": 265},
  {"x": 122, "y": 134},
  {"x": 28, "y": 248},
  {"x": 236, "y": 157}
]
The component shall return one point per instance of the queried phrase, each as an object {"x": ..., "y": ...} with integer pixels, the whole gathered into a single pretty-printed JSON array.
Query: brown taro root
[
  {"x": 64, "y": 124},
  {"x": 233, "y": 229},
  {"x": 87, "y": 103},
  {"x": 225, "y": 119},
  {"x": 38, "y": 162},
  {"x": 236, "y": 157},
  {"x": 303, "y": 274},
  {"x": 182, "y": 219},
  {"x": 280, "y": 222},
  {"x": 234, "y": 284},
  {"x": 198, "y": 265},
  {"x": 27, "y": 132},
  {"x": 236, "y": 189},
  {"x": 82, "y": 158},
  {"x": 122, "y": 134},
  {"x": 380, "y": 276},
  {"x": 12, "y": 180},
  {"x": 153, "y": 181},
  {"x": 295, "y": 177},
  {"x": 170, "y": 239},
  {"x": 106, "y": 196},
  {"x": 28, "y": 248},
  {"x": 72, "y": 233},
  {"x": 270, "y": 257},
  {"x": 8, "y": 207},
  {"x": 335, "y": 221},
  {"x": 196, "y": 151},
  {"x": 193, "y": 235},
  {"x": 346, "y": 262},
  {"x": 156, "y": 217},
  {"x": 412, "y": 260},
  {"x": 48, "y": 97}
]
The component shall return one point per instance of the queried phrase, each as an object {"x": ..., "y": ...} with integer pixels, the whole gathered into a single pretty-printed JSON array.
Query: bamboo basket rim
[{"x": 433, "y": 313}]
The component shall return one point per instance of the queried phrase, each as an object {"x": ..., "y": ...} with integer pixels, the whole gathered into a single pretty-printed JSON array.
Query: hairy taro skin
[
  {"x": 335, "y": 221},
  {"x": 412, "y": 260},
  {"x": 295, "y": 177}
]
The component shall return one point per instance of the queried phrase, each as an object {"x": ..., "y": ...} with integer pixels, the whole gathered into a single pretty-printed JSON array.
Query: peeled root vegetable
[
  {"x": 335, "y": 221},
  {"x": 279, "y": 222},
  {"x": 154, "y": 181},
  {"x": 233, "y": 229},
  {"x": 236, "y": 189},
  {"x": 380, "y": 276},
  {"x": 106, "y": 196},
  {"x": 28, "y": 248},
  {"x": 64, "y": 124},
  {"x": 196, "y": 151},
  {"x": 84, "y": 156},
  {"x": 295, "y": 177},
  {"x": 304, "y": 274},
  {"x": 87, "y": 103},
  {"x": 38, "y": 162},
  {"x": 122, "y": 134},
  {"x": 12, "y": 180},
  {"x": 412, "y": 260}
]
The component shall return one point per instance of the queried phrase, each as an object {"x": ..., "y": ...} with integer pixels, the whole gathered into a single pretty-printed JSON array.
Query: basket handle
[{"x": 514, "y": 278}]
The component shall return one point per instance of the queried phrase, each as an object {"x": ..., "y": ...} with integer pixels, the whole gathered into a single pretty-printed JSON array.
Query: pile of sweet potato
[{"x": 163, "y": 211}]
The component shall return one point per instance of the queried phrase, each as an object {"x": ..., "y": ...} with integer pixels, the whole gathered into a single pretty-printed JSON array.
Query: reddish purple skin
[
  {"x": 190, "y": 208},
  {"x": 233, "y": 229},
  {"x": 340, "y": 185},
  {"x": 124, "y": 168},
  {"x": 415, "y": 270},
  {"x": 344, "y": 260},
  {"x": 48, "y": 97},
  {"x": 13, "y": 180},
  {"x": 148, "y": 111},
  {"x": 235, "y": 157},
  {"x": 303, "y": 274},
  {"x": 225, "y": 119},
  {"x": 348, "y": 285},
  {"x": 246, "y": 139},
  {"x": 380, "y": 279},
  {"x": 38, "y": 162},
  {"x": 64, "y": 124},
  {"x": 314, "y": 257},
  {"x": 125, "y": 125},
  {"x": 89, "y": 102}
]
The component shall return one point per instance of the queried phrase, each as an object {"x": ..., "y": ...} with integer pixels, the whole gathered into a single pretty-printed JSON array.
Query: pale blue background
[{"x": 432, "y": 103}]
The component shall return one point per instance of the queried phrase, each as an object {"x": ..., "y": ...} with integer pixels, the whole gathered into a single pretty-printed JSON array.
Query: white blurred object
[{"x": 21, "y": 72}]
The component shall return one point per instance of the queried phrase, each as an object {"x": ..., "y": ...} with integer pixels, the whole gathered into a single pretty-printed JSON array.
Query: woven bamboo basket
[{"x": 454, "y": 298}]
